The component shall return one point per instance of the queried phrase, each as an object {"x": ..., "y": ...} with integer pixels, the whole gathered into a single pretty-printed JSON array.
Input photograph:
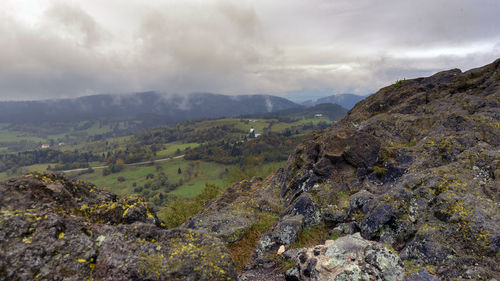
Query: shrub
[
  {"x": 179, "y": 209},
  {"x": 399, "y": 83},
  {"x": 411, "y": 143},
  {"x": 379, "y": 171}
]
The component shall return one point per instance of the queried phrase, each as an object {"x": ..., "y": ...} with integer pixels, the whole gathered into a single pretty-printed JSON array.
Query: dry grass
[
  {"x": 312, "y": 236},
  {"x": 241, "y": 250}
]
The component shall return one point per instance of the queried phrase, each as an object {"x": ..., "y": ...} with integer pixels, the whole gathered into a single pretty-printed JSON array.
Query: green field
[
  {"x": 12, "y": 136},
  {"x": 209, "y": 173},
  {"x": 280, "y": 126},
  {"x": 97, "y": 145},
  {"x": 171, "y": 148},
  {"x": 72, "y": 137},
  {"x": 206, "y": 172},
  {"x": 259, "y": 124},
  {"x": 77, "y": 138},
  {"x": 95, "y": 130}
]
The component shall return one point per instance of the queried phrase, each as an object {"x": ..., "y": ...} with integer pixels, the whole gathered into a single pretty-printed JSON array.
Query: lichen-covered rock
[
  {"x": 347, "y": 258},
  {"x": 288, "y": 229},
  {"x": 421, "y": 275},
  {"x": 285, "y": 233},
  {"x": 376, "y": 219},
  {"x": 149, "y": 253},
  {"x": 266, "y": 244},
  {"x": 306, "y": 207},
  {"x": 359, "y": 149},
  {"x": 344, "y": 228},
  {"x": 55, "y": 229},
  {"x": 415, "y": 166},
  {"x": 229, "y": 216},
  {"x": 55, "y": 192}
]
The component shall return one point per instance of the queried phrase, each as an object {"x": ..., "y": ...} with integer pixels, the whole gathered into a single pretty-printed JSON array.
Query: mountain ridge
[
  {"x": 345, "y": 100},
  {"x": 142, "y": 106},
  {"x": 333, "y": 111}
]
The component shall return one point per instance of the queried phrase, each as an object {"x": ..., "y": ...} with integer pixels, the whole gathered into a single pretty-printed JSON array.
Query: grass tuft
[
  {"x": 241, "y": 250},
  {"x": 311, "y": 236}
]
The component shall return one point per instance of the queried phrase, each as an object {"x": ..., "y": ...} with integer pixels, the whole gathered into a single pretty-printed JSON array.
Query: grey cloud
[
  {"x": 215, "y": 50},
  {"x": 236, "y": 47},
  {"x": 403, "y": 23},
  {"x": 35, "y": 66},
  {"x": 219, "y": 38},
  {"x": 75, "y": 22}
]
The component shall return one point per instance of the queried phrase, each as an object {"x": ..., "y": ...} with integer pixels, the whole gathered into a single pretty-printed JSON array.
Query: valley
[{"x": 166, "y": 163}]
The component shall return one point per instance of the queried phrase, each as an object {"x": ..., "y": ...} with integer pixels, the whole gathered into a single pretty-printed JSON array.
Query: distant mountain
[
  {"x": 346, "y": 100},
  {"x": 301, "y": 96},
  {"x": 332, "y": 111},
  {"x": 150, "y": 107}
]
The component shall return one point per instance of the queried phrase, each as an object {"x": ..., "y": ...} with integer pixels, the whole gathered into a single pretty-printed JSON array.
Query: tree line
[{"x": 39, "y": 156}]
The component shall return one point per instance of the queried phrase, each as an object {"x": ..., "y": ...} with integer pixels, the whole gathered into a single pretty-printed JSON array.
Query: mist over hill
[
  {"x": 150, "y": 107},
  {"x": 345, "y": 100},
  {"x": 332, "y": 111}
]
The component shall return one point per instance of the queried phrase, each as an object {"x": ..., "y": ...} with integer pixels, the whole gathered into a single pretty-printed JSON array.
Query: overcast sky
[{"x": 80, "y": 47}]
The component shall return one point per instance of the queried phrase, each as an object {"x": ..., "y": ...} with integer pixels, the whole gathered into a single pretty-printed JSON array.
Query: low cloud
[{"x": 236, "y": 47}]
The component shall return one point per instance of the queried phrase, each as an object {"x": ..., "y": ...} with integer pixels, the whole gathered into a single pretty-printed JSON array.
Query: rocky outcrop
[
  {"x": 55, "y": 229},
  {"x": 414, "y": 166},
  {"x": 347, "y": 258},
  {"x": 233, "y": 213}
]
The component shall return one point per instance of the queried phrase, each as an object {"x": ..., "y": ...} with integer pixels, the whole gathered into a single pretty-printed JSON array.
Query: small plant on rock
[{"x": 399, "y": 83}]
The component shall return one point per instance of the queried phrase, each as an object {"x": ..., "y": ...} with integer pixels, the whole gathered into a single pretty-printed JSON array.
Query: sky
[{"x": 51, "y": 49}]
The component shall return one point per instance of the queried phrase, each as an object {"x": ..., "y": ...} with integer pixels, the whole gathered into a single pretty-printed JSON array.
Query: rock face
[
  {"x": 233, "y": 213},
  {"x": 55, "y": 229},
  {"x": 414, "y": 166},
  {"x": 421, "y": 275},
  {"x": 347, "y": 258}
]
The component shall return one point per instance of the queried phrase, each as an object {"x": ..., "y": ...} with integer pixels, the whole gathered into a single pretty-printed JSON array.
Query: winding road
[{"x": 131, "y": 164}]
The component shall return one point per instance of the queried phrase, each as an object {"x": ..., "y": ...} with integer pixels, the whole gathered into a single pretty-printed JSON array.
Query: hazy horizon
[
  {"x": 65, "y": 49},
  {"x": 296, "y": 97}
]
